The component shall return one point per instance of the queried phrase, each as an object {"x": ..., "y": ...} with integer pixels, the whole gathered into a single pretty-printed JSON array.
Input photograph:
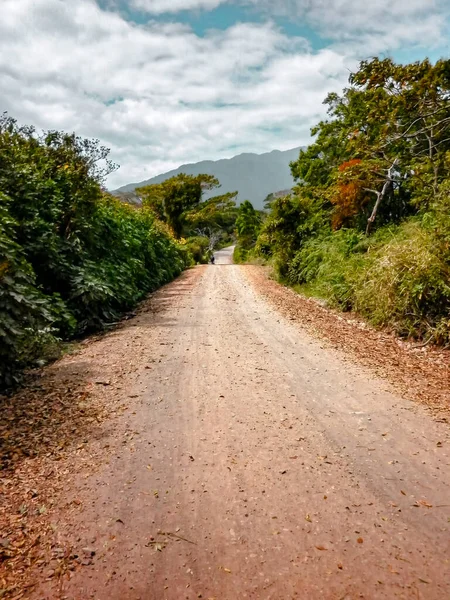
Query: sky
[{"x": 167, "y": 82}]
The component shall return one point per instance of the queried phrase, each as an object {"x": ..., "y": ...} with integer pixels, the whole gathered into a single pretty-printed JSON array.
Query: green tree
[
  {"x": 213, "y": 219},
  {"x": 172, "y": 199},
  {"x": 268, "y": 201},
  {"x": 219, "y": 213},
  {"x": 394, "y": 121},
  {"x": 365, "y": 225},
  {"x": 247, "y": 223}
]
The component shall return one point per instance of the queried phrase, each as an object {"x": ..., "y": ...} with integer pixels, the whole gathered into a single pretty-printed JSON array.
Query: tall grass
[{"x": 399, "y": 278}]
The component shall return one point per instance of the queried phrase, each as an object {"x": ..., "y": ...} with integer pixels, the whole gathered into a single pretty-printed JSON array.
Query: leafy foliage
[
  {"x": 405, "y": 284},
  {"x": 367, "y": 226},
  {"x": 179, "y": 203},
  {"x": 248, "y": 225},
  {"x": 198, "y": 248},
  {"x": 172, "y": 199},
  {"x": 72, "y": 258},
  {"x": 218, "y": 213}
]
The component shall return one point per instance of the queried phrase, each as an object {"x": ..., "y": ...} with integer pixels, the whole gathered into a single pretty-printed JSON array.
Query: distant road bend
[{"x": 253, "y": 461}]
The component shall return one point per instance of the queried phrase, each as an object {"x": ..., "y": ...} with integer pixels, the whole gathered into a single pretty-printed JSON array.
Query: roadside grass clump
[
  {"x": 398, "y": 278},
  {"x": 405, "y": 284},
  {"x": 240, "y": 255},
  {"x": 325, "y": 266}
]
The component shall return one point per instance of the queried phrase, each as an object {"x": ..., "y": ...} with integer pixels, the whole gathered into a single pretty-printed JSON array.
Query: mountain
[{"x": 254, "y": 176}]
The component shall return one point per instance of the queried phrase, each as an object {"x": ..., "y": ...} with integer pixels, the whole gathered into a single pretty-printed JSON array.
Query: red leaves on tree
[{"x": 350, "y": 195}]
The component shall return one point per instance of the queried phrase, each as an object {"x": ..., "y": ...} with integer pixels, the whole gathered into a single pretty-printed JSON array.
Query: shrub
[
  {"x": 25, "y": 313},
  {"x": 198, "y": 248},
  {"x": 399, "y": 278},
  {"x": 240, "y": 255},
  {"x": 405, "y": 284},
  {"x": 72, "y": 258},
  {"x": 325, "y": 265}
]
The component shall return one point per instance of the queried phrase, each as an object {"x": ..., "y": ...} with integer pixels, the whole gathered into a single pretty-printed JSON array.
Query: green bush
[
  {"x": 399, "y": 278},
  {"x": 405, "y": 284},
  {"x": 25, "y": 313},
  {"x": 72, "y": 258},
  {"x": 326, "y": 265},
  {"x": 240, "y": 255},
  {"x": 198, "y": 248}
]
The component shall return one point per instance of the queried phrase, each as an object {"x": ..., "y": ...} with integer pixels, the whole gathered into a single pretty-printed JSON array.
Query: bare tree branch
[{"x": 381, "y": 195}]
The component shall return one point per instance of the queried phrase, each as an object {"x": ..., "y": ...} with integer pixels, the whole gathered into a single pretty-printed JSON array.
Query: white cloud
[
  {"x": 158, "y": 94},
  {"x": 370, "y": 25},
  {"x": 367, "y": 27},
  {"x": 157, "y": 7},
  {"x": 376, "y": 25}
]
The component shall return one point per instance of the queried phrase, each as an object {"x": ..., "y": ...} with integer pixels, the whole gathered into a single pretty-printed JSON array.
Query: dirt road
[{"x": 253, "y": 462}]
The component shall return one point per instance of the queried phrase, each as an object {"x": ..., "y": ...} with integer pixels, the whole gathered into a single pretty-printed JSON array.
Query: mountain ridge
[{"x": 254, "y": 176}]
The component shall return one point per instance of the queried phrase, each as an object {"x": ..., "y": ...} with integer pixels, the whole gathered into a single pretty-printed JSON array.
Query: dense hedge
[{"x": 72, "y": 258}]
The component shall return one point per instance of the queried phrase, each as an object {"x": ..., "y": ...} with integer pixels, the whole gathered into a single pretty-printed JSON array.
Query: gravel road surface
[{"x": 254, "y": 462}]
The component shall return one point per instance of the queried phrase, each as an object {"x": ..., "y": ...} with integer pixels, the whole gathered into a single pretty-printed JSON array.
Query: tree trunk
[{"x": 380, "y": 196}]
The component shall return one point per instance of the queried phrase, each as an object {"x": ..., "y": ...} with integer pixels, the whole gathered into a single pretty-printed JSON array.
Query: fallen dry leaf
[
  {"x": 225, "y": 570},
  {"x": 424, "y": 503}
]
